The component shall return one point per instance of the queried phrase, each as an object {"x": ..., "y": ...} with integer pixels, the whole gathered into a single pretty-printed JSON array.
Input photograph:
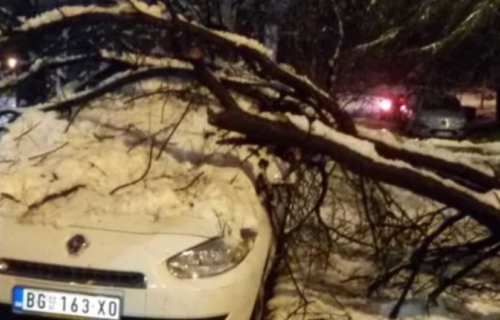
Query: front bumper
[
  {"x": 191, "y": 299},
  {"x": 229, "y": 296},
  {"x": 6, "y": 313},
  {"x": 422, "y": 131}
]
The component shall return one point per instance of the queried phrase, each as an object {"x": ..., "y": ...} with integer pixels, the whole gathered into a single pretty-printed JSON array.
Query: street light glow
[{"x": 12, "y": 62}]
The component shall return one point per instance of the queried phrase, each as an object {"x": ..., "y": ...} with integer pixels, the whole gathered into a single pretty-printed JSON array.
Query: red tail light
[{"x": 385, "y": 105}]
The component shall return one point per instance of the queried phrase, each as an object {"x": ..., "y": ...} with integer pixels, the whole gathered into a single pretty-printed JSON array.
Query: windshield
[{"x": 441, "y": 103}]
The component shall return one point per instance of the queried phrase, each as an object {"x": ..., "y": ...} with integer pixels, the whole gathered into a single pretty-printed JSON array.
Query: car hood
[
  {"x": 185, "y": 225},
  {"x": 108, "y": 250}
]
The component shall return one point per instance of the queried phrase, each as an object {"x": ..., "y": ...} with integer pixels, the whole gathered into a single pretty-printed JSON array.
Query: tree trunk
[{"x": 497, "y": 90}]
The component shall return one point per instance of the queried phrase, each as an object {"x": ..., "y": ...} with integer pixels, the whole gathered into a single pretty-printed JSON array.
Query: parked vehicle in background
[
  {"x": 433, "y": 114},
  {"x": 381, "y": 102},
  {"x": 368, "y": 106}
]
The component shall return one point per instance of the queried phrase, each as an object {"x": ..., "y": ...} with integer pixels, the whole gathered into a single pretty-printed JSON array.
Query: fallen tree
[{"x": 291, "y": 117}]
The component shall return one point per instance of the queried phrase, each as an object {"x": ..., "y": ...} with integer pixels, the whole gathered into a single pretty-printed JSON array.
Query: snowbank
[
  {"x": 56, "y": 174},
  {"x": 480, "y": 149}
]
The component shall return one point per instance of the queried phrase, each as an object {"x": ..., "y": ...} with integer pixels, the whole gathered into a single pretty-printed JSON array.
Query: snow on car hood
[{"x": 60, "y": 175}]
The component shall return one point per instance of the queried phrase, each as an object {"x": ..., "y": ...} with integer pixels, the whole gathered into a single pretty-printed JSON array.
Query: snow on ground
[
  {"x": 50, "y": 176},
  {"x": 339, "y": 292},
  {"x": 488, "y": 148},
  {"x": 331, "y": 296}
]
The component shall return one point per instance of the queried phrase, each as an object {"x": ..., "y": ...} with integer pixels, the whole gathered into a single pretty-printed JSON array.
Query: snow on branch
[
  {"x": 66, "y": 12},
  {"x": 357, "y": 155},
  {"x": 474, "y": 19},
  {"x": 236, "y": 39},
  {"x": 154, "y": 10},
  {"x": 145, "y": 60},
  {"x": 109, "y": 85},
  {"x": 326, "y": 107},
  {"x": 425, "y": 155},
  {"x": 247, "y": 48},
  {"x": 360, "y": 157},
  {"x": 466, "y": 26},
  {"x": 386, "y": 37},
  {"x": 463, "y": 170}
]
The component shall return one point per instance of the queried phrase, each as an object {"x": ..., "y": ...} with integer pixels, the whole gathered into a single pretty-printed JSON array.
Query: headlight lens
[{"x": 208, "y": 259}]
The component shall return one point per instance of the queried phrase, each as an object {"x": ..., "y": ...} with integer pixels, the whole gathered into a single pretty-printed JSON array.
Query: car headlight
[{"x": 209, "y": 259}]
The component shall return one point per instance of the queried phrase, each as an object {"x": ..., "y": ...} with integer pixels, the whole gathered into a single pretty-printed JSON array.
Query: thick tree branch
[
  {"x": 40, "y": 66},
  {"x": 420, "y": 182},
  {"x": 418, "y": 258},
  {"x": 111, "y": 85}
]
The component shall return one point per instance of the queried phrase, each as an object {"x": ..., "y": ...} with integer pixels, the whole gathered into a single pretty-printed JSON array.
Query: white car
[{"x": 119, "y": 267}]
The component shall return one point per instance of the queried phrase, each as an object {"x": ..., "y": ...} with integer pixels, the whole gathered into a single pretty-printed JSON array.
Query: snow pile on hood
[{"x": 81, "y": 174}]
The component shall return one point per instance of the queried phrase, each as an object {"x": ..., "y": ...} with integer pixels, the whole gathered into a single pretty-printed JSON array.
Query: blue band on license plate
[{"x": 18, "y": 298}]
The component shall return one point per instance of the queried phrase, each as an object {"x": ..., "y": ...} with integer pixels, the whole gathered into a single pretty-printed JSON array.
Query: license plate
[{"x": 36, "y": 301}]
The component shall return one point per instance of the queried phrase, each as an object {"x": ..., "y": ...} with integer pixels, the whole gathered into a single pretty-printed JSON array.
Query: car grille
[
  {"x": 445, "y": 123},
  {"x": 82, "y": 276}
]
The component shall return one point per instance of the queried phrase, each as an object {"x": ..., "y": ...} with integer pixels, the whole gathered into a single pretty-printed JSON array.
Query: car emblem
[{"x": 76, "y": 244}]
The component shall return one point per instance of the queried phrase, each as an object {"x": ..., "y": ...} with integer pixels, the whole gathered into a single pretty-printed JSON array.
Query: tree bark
[{"x": 497, "y": 90}]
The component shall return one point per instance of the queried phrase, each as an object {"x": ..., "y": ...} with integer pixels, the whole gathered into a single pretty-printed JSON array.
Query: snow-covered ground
[
  {"x": 334, "y": 295},
  {"x": 338, "y": 289}
]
